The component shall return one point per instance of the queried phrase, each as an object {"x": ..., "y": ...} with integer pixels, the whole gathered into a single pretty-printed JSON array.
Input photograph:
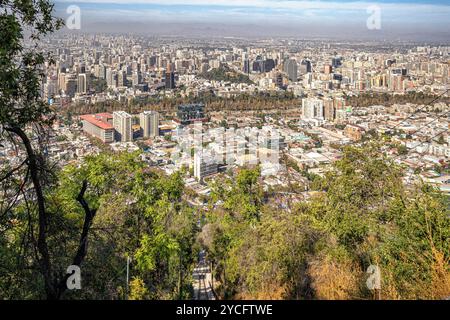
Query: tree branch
[
  {"x": 89, "y": 215},
  {"x": 12, "y": 171}
]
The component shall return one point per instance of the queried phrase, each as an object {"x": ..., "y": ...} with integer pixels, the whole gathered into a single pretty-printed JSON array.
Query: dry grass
[
  {"x": 270, "y": 291},
  {"x": 333, "y": 280},
  {"x": 440, "y": 275}
]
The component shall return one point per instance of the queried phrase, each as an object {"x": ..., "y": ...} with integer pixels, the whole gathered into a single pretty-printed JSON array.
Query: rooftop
[{"x": 100, "y": 120}]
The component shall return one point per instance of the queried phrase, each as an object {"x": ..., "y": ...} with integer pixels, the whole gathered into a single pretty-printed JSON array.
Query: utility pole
[
  {"x": 212, "y": 275},
  {"x": 128, "y": 273}
]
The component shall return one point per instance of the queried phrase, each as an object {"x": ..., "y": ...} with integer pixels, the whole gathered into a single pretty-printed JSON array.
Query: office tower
[
  {"x": 336, "y": 62},
  {"x": 329, "y": 110},
  {"x": 100, "y": 71},
  {"x": 312, "y": 108},
  {"x": 137, "y": 78},
  {"x": 122, "y": 79},
  {"x": 122, "y": 125},
  {"x": 111, "y": 78},
  {"x": 263, "y": 65},
  {"x": 290, "y": 68},
  {"x": 305, "y": 67},
  {"x": 307, "y": 80},
  {"x": 170, "y": 80},
  {"x": 71, "y": 85},
  {"x": 246, "y": 66},
  {"x": 204, "y": 165},
  {"x": 170, "y": 77},
  {"x": 62, "y": 82},
  {"x": 82, "y": 83},
  {"x": 256, "y": 66},
  {"x": 149, "y": 122},
  {"x": 50, "y": 88},
  {"x": 269, "y": 65}
]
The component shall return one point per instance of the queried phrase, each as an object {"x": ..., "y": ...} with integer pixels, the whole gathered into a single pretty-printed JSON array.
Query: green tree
[{"x": 24, "y": 117}]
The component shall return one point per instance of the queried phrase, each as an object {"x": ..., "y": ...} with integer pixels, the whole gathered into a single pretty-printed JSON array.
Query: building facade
[
  {"x": 149, "y": 122},
  {"x": 204, "y": 165},
  {"x": 122, "y": 125},
  {"x": 99, "y": 126},
  {"x": 312, "y": 108}
]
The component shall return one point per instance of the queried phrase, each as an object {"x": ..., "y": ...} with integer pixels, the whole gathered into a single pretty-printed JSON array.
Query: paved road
[{"x": 202, "y": 280}]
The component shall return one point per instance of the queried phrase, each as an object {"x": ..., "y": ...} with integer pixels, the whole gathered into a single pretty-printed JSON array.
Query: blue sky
[{"x": 400, "y": 14}]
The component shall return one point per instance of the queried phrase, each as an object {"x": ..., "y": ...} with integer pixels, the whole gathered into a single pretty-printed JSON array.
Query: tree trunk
[
  {"x": 53, "y": 288},
  {"x": 44, "y": 259}
]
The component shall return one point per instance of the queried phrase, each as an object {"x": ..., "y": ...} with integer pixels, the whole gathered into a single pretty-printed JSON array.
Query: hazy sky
[{"x": 401, "y": 17}]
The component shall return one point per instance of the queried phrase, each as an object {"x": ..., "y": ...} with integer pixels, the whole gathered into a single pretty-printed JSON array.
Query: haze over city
[{"x": 406, "y": 19}]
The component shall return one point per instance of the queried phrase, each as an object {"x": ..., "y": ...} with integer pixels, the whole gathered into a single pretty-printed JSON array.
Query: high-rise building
[
  {"x": 82, "y": 83},
  {"x": 137, "y": 78},
  {"x": 50, "y": 88},
  {"x": 290, "y": 68},
  {"x": 336, "y": 62},
  {"x": 307, "y": 80},
  {"x": 204, "y": 165},
  {"x": 246, "y": 66},
  {"x": 62, "y": 81},
  {"x": 122, "y": 125},
  {"x": 170, "y": 77},
  {"x": 149, "y": 122},
  {"x": 122, "y": 79},
  {"x": 312, "y": 108},
  {"x": 71, "y": 85},
  {"x": 269, "y": 65},
  {"x": 100, "y": 71},
  {"x": 305, "y": 67},
  {"x": 329, "y": 110},
  {"x": 111, "y": 78},
  {"x": 170, "y": 80}
]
